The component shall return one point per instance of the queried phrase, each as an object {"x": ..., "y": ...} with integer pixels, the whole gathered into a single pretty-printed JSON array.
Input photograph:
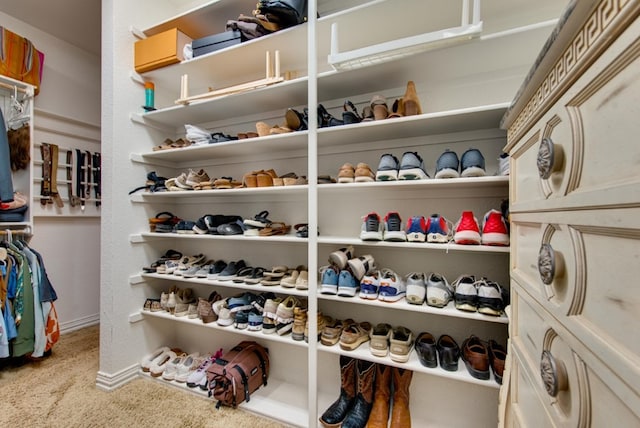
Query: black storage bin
[{"x": 215, "y": 42}]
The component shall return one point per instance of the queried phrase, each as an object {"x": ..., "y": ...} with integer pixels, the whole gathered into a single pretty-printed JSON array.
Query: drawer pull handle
[
  {"x": 553, "y": 374},
  {"x": 547, "y": 266},
  {"x": 549, "y": 158}
]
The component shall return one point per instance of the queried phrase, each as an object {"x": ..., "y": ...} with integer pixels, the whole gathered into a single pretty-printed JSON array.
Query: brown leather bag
[{"x": 238, "y": 373}]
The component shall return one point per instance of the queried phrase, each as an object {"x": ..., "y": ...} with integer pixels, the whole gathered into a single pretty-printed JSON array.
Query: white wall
[{"x": 70, "y": 245}]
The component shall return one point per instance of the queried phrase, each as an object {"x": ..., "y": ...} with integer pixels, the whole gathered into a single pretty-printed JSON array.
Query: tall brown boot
[
  {"x": 379, "y": 417},
  {"x": 335, "y": 414},
  {"x": 400, "y": 416},
  {"x": 359, "y": 413}
]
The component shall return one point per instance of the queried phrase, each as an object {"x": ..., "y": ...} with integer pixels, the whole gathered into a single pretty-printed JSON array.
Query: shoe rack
[{"x": 464, "y": 90}]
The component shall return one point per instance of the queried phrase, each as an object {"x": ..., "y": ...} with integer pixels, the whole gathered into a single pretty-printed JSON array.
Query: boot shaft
[
  {"x": 379, "y": 416},
  {"x": 400, "y": 414}
]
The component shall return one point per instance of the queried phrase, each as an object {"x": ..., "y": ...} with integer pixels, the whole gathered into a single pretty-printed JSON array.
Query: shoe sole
[
  {"x": 354, "y": 345},
  {"x": 466, "y": 307},
  {"x": 400, "y": 358},
  {"x": 416, "y": 237},
  {"x": 499, "y": 239},
  {"x": 368, "y": 296},
  {"x": 347, "y": 291},
  {"x": 448, "y": 173},
  {"x": 473, "y": 171},
  {"x": 412, "y": 174},
  {"x": 328, "y": 289},
  {"x": 371, "y": 236},
  {"x": 490, "y": 311},
  {"x": 395, "y": 236},
  {"x": 387, "y": 298},
  {"x": 437, "y": 238},
  {"x": 467, "y": 237},
  {"x": 386, "y": 175}
]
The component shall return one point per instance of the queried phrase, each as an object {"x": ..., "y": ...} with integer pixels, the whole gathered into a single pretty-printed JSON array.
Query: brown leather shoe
[
  {"x": 497, "y": 357},
  {"x": 476, "y": 357}
]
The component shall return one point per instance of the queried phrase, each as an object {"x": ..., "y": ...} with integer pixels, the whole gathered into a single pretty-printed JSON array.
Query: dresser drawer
[
  {"x": 583, "y": 151},
  {"x": 581, "y": 267},
  {"x": 569, "y": 377}
]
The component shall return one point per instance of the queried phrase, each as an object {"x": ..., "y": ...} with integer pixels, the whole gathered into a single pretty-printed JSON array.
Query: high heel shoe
[
  {"x": 350, "y": 116},
  {"x": 410, "y": 100},
  {"x": 325, "y": 118}
]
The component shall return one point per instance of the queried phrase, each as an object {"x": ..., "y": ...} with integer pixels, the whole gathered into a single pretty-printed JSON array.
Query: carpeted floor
[{"x": 60, "y": 391}]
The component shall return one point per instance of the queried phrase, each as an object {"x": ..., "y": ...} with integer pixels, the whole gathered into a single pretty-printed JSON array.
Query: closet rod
[{"x": 12, "y": 87}]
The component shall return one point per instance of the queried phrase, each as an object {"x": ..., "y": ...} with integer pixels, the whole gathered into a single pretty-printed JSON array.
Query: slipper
[
  {"x": 179, "y": 143},
  {"x": 302, "y": 230},
  {"x": 243, "y": 274},
  {"x": 260, "y": 220},
  {"x": 257, "y": 275},
  {"x": 167, "y": 144},
  {"x": 276, "y": 273},
  {"x": 222, "y": 183}
]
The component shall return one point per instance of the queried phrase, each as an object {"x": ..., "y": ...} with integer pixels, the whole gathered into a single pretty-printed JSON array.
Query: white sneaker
[
  {"x": 372, "y": 228},
  {"x": 392, "y": 286},
  {"x": 415, "y": 288},
  {"x": 186, "y": 366},
  {"x": 466, "y": 293},
  {"x": 171, "y": 368},
  {"x": 341, "y": 256},
  {"x": 195, "y": 377},
  {"x": 439, "y": 292},
  {"x": 360, "y": 266}
]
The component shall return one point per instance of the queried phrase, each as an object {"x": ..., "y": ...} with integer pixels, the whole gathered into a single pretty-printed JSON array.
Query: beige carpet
[{"x": 60, "y": 391}]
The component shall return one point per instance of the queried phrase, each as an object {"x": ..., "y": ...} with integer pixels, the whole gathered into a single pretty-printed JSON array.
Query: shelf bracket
[
  {"x": 140, "y": 119},
  {"x": 137, "y": 33},
  {"x": 137, "y": 317},
  {"x": 136, "y": 279},
  {"x": 394, "y": 50}
]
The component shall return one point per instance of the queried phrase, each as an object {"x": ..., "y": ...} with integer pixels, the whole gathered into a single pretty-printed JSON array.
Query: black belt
[
  {"x": 97, "y": 177},
  {"x": 73, "y": 198}
]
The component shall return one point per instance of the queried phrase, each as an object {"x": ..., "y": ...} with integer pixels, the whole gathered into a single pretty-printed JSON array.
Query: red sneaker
[
  {"x": 467, "y": 231},
  {"x": 494, "y": 229}
]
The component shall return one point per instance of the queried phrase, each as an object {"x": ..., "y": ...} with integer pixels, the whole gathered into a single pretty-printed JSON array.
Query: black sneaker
[{"x": 231, "y": 270}]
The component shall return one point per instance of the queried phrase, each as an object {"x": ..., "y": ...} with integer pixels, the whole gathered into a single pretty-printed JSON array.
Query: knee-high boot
[
  {"x": 359, "y": 413},
  {"x": 400, "y": 415},
  {"x": 379, "y": 417},
  {"x": 336, "y": 413}
]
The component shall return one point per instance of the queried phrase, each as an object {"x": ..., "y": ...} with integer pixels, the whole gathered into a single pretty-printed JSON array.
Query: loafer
[
  {"x": 379, "y": 340},
  {"x": 476, "y": 357},
  {"x": 448, "y": 353},
  {"x": 427, "y": 350},
  {"x": 400, "y": 344},
  {"x": 497, "y": 357}
]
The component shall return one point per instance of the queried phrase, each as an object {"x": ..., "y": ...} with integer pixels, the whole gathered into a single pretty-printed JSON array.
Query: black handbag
[{"x": 286, "y": 12}]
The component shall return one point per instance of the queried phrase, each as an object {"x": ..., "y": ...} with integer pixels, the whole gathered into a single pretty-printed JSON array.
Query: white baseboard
[
  {"x": 109, "y": 382},
  {"x": 69, "y": 326}
]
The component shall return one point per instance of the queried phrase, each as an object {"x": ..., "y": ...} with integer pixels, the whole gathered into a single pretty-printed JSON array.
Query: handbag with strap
[
  {"x": 285, "y": 12},
  {"x": 19, "y": 59}
]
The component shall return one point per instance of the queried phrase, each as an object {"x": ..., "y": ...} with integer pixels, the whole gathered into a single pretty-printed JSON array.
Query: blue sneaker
[
  {"x": 393, "y": 228},
  {"x": 447, "y": 165},
  {"x": 387, "y": 168},
  {"x": 412, "y": 167},
  {"x": 255, "y": 320},
  {"x": 348, "y": 286},
  {"x": 472, "y": 164},
  {"x": 439, "y": 229},
  {"x": 415, "y": 230},
  {"x": 329, "y": 281},
  {"x": 369, "y": 286}
]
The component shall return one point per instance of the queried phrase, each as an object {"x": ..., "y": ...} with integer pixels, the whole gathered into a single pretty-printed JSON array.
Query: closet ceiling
[{"x": 76, "y": 22}]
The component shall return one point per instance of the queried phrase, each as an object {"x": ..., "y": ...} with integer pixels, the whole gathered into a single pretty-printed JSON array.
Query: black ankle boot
[
  {"x": 325, "y": 118},
  {"x": 336, "y": 413},
  {"x": 359, "y": 413}
]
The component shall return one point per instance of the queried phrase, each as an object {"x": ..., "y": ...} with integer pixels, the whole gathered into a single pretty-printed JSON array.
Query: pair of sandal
[
  {"x": 408, "y": 105},
  {"x": 170, "y": 144},
  {"x": 169, "y": 255}
]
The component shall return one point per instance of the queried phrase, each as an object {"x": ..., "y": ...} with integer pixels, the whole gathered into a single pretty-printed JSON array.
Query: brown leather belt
[{"x": 49, "y": 187}]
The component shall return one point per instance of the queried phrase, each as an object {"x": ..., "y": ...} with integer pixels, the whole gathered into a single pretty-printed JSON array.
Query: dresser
[{"x": 573, "y": 131}]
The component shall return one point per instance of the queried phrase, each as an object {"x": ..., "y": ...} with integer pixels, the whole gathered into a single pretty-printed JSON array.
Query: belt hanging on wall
[
  {"x": 79, "y": 177},
  {"x": 49, "y": 186},
  {"x": 73, "y": 198},
  {"x": 97, "y": 177}
]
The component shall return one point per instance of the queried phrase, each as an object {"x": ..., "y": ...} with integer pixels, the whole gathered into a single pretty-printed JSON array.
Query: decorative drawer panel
[
  {"x": 582, "y": 273},
  {"x": 582, "y": 152},
  {"x": 543, "y": 259},
  {"x": 557, "y": 373}
]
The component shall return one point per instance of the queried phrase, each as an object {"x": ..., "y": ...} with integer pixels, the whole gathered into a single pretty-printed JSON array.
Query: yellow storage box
[{"x": 160, "y": 50}]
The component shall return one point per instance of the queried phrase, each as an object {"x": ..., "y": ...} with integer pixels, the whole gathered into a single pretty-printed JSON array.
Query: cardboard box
[
  {"x": 160, "y": 50},
  {"x": 217, "y": 41}
]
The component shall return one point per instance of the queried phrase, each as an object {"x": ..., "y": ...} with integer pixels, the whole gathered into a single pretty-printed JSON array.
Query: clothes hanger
[{"x": 18, "y": 115}]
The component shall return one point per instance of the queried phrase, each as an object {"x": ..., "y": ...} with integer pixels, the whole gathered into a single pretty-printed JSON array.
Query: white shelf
[
  {"x": 278, "y": 400},
  {"x": 272, "y": 144},
  {"x": 273, "y": 337},
  {"x": 277, "y": 289},
  {"x": 363, "y": 353},
  {"x": 148, "y": 236},
  {"x": 339, "y": 240},
  {"x": 274, "y": 97},
  {"x": 488, "y": 182},
  {"x": 448, "y": 311},
  {"x": 271, "y": 192},
  {"x": 442, "y": 122}
]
